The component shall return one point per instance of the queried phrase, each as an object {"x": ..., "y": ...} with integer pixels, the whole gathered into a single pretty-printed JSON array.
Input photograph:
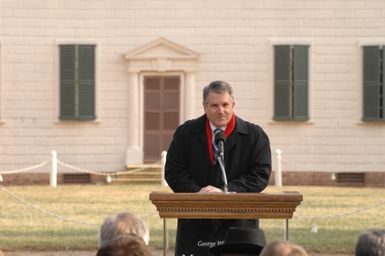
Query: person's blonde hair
[
  {"x": 124, "y": 223},
  {"x": 129, "y": 245},
  {"x": 283, "y": 248}
]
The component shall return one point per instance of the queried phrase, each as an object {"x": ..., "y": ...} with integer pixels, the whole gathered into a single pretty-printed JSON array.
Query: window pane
[
  {"x": 171, "y": 120},
  {"x": 152, "y": 121}
]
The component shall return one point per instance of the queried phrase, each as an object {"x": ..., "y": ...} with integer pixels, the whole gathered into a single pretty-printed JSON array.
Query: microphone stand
[{"x": 220, "y": 159}]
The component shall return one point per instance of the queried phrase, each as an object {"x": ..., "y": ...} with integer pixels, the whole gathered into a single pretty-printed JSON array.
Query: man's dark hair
[
  {"x": 217, "y": 87},
  {"x": 371, "y": 243}
]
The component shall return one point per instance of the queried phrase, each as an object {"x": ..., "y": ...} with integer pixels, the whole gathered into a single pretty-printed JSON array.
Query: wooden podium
[{"x": 225, "y": 206}]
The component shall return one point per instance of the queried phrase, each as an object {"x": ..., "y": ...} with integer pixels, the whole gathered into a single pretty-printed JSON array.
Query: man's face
[{"x": 219, "y": 108}]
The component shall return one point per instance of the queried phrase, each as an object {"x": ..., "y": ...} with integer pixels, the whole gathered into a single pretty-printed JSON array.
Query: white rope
[
  {"x": 45, "y": 211},
  {"x": 57, "y": 216},
  {"x": 24, "y": 169},
  {"x": 106, "y": 173},
  {"x": 343, "y": 214},
  {"x": 84, "y": 170}
]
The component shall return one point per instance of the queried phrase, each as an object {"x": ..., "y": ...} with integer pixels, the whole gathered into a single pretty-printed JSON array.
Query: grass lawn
[{"x": 68, "y": 217}]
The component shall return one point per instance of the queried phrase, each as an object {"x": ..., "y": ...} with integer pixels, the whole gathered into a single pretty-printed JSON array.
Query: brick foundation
[
  {"x": 288, "y": 178},
  {"x": 40, "y": 179},
  {"x": 372, "y": 179}
]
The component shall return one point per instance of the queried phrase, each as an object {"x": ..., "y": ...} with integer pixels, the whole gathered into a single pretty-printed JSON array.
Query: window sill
[
  {"x": 374, "y": 122},
  {"x": 291, "y": 122},
  {"x": 96, "y": 121}
]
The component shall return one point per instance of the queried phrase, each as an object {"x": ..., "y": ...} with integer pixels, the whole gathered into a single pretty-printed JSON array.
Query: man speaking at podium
[{"x": 194, "y": 165}]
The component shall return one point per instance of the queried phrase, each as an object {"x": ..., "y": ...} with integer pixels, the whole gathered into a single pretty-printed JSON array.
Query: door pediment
[{"x": 161, "y": 55}]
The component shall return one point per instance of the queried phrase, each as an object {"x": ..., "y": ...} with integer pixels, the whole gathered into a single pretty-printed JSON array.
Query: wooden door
[{"x": 161, "y": 114}]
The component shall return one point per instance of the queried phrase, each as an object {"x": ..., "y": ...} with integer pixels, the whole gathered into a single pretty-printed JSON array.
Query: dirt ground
[
  {"x": 71, "y": 253},
  {"x": 92, "y": 253}
]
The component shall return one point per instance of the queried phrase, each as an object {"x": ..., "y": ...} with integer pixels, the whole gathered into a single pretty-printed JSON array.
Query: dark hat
[{"x": 241, "y": 240}]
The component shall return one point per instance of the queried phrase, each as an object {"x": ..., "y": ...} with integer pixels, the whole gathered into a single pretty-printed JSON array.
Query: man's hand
[{"x": 211, "y": 189}]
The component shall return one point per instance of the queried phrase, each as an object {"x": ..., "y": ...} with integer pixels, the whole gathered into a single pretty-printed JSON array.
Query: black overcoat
[{"x": 188, "y": 169}]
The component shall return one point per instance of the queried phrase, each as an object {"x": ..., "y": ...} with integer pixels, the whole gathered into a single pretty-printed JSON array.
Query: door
[{"x": 161, "y": 114}]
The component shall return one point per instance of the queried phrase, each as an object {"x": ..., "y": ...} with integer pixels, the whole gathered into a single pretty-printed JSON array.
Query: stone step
[
  {"x": 138, "y": 174},
  {"x": 135, "y": 181}
]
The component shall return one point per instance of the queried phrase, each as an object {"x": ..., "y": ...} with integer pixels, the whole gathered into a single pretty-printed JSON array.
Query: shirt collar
[{"x": 213, "y": 127}]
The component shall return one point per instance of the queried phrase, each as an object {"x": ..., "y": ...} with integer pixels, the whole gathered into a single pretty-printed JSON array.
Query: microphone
[{"x": 219, "y": 140}]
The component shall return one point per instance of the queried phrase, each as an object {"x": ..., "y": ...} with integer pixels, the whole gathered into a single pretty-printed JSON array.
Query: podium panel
[{"x": 225, "y": 206}]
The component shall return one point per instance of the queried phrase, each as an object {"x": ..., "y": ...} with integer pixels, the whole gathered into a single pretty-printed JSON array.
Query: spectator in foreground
[
  {"x": 241, "y": 241},
  {"x": 371, "y": 243},
  {"x": 124, "y": 223},
  {"x": 283, "y": 248},
  {"x": 126, "y": 245},
  {"x": 123, "y": 234}
]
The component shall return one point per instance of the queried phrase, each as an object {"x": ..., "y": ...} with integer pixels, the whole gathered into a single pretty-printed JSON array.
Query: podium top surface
[{"x": 226, "y": 205}]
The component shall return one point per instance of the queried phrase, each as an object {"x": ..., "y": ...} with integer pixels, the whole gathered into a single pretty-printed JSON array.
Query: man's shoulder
[
  {"x": 246, "y": 126},
  {"x": 192, "y": 125}
]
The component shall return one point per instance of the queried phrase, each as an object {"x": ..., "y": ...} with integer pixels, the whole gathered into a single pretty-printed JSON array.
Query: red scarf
[{"x": 209, "y": 135}]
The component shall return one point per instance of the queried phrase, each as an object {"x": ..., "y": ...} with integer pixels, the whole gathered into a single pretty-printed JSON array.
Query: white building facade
[{"x": 151, "y": 59}]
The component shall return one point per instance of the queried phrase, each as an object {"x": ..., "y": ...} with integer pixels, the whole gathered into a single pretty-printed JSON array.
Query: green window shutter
[
  {"x": 382, "y": 89},
  {"x": 300, "y": 82},
  {"x": 86, "y": 82},
  {"x": 372, "y": 83},
  {"x": 67, "y": 82},
  {"x": 282, "y": 90}
]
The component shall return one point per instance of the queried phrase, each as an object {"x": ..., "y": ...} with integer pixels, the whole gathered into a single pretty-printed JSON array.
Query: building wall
[{"x": 235, "y": 40}]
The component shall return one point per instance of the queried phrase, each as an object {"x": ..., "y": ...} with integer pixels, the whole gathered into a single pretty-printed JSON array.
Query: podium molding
[{"x": 225, "y": 206}]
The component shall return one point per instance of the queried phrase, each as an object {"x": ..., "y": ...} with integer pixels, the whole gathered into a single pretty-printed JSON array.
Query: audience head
[
  {"x": 120, "y": 225},
  {"x": 371, "y": 243},
  {"x": 283, "y": 248},
  {"x": 128, "y": 245},
  {"x": 241, "y": 241}
]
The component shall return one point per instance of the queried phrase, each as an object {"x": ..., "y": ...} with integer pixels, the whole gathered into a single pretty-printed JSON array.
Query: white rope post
[
  {"x": 278, "y": 171},
  {"x": 163, "y": 164},
  {"x": 53, "y": 174}
]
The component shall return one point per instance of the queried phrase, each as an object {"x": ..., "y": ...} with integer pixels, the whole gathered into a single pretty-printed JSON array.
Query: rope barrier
[
  {"x": 55, "y": 215},
  {"x": 343, "y": 214},
  {"x": 45, "y": 211},
  {"x": 107, "y": 173},
  {"x": 24, "y": 169},
  {"x": 155, "y": 164},
  {"x": 84, "y": 170},
  {"x": 314, "y": 228}
]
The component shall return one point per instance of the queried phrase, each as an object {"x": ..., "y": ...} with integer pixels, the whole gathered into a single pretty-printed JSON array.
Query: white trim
[
  {"x": 1, "y": 84},
  {"x": 290, "y": 41},
  {"x": 183, "y": 52},
  {"x": 182, "y": 89},
  {"x": 56, "y": 91},
  {"x": 160, "y": 57},
  {"x": 360, "y": 100},
  {"x": 371, "y": 41}
]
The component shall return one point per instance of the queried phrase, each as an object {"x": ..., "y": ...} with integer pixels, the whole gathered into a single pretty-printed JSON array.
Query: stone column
[
  {"x": 189, "y": 97},
  {"x": 134, "y": 154}
]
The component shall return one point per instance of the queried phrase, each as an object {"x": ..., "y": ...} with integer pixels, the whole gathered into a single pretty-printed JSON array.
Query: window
[
  {"x": 373, "y": 82},
  {"x": 77, "y": 82},
  {"x": 291, "y": 82}
]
